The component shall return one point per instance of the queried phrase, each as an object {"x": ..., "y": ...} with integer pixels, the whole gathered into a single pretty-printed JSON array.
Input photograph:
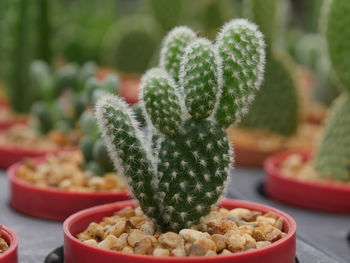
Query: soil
[
  {"x": 64, "y": 171},
  {"x": 305, "y": 138},
  {"x": 222, "y": 232},
  {"x": 25, "y": 138}
]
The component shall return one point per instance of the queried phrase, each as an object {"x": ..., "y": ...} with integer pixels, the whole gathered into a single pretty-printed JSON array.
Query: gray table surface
[{"x": 40, "y": 237}]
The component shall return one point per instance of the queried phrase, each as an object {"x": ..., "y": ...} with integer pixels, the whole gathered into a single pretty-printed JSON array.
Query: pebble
[{"x": 171, "y": 240}]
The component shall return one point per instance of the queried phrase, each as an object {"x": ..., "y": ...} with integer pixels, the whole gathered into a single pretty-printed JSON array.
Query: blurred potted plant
[
  {"x": 78, "y": 179},
  {"x": 8, "y": 245},
  {"x": 321, "y": 180},
  {"x": 273, "y": 122}
]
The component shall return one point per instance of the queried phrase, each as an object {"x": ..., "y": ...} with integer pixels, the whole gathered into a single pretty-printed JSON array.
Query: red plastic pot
[
  {"x": 129, "y": 88},
  {"x": 251, "y": 157},
  {"x": 51, "y": 203},
  {"x": 75, "y": 251},
  {"x": 9, "y": 123},
  {"x": 324, "y": 196},
  {"x": 10, "y": 254}
]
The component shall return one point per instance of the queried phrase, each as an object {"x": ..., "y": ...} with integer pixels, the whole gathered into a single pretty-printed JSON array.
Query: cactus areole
[{"x": 199, "y": 90}]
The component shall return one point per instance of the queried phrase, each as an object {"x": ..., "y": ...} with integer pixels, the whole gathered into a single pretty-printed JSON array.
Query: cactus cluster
[
  {"x": 199, "y": 89},
  {"x": 332, "y": 159},
  {"x": 276, "y": 106},
  {"x": 61, "y": 100}
]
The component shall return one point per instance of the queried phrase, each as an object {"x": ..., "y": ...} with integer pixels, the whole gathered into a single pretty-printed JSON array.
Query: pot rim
[
  {"x": 272, "y": 163},
  {"x": 12, "y": 175},
  {"x": 288, "y": 220},
  {"x": 12, "y": 240}
]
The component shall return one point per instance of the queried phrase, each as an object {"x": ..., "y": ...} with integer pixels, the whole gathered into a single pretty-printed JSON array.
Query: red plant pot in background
[
  {"x": 10, "y": 254},
  {"x": 51, "y": 203},
  {"x": 325, "y": 196},
  {"x": 129, "y": 88},
  {"x": 251, "y": 157},
  {"x": 9, "y": 123},
  {"x": 75, "y": 251}
]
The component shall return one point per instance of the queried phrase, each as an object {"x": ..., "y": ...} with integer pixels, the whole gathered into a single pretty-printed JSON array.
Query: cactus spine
[
  {"x": 184, "y": 174},
  {"x": 333, "y": 154},
  {"x": 276, "y": 106}
]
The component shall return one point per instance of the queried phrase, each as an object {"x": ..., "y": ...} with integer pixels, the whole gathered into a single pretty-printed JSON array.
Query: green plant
[
  {"x": 130, "y": 44},
  {"x": 168, "y": 13},
  {"x": 276, "y": 106},
  {"x": 178, "y": 178},
  {"x": 24, "y": 41},
  {"x": 332, "y": 158}
]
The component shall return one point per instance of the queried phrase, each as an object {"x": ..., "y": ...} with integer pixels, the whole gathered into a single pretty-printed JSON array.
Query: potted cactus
[
  {"x": 8, "y": 245},
  {"x": 321, "y": 180},
  {"x": 178, "y": 177},
  {"x": 79, "y": 179},
  {"x": 273, "y": 122}
]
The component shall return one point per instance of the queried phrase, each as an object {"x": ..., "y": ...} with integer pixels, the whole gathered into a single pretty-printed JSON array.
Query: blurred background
[{"x": 125, "y": 36}]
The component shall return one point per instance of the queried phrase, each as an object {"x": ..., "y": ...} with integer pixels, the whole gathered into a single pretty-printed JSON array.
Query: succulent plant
[
  {"x": 180, "y": 175},
  {"x": 276, "y": 106},
  {"x": 332, "y": 158},
  {"x": 122, "y": 47},
  {"x": 168, "y": 13}
]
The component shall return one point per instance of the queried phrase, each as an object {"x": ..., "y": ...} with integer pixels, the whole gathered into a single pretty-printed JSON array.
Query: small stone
[
  {"x": 207, "y": 244},
  {"x": 249, "y": 242},
  {"x": 191, "y": 235},
  {"x": 263, "y": 220},
  {"x": 210, "y": 253},
  {"x": 220, "y": 242},
  {"x": 235, "y": 241},
  {"x": 108, "y": 242},
  {"x": 226, "y": 252},
  {"x": 272, "y": 233},
  {"x": 171, "y": 240},
  {"x": 148, "y": 227},
  {"x": 117, "y": 229},
  {"x": 279, "y": 224},
  {"x": 144, "y": 247},
  {"x": 179, "y": 252},
  {"x": 91, "y": 242},
  {"x": 161, "y": 252},
  {"x": 221, "y": 226},
  {"x": 126, "y": 212},
  {"x": 135, "y": 236},
  {"x": 136, "y": 221},
  {"x": 262, "y": 244},
  {"x": 121, "y": 242},
  {"x": 246, "y": 229},
  {"x": 128, "y": 250},
  {"x": 196, "y": 250},
  {"x": 259, "y": 234}
]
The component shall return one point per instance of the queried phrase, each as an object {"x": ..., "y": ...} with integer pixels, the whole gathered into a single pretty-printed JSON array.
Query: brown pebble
[
  {"x": 144, "y": 247},
  {"x": 171, "y": 240},
  {"x": 220, "y": 242},
  {"x": 196, "y": 250}
]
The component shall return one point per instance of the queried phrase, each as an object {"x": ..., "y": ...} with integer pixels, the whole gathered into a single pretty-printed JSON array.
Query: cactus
[
  {"x": 178, "y": 178},
  {"x": 276, "y": 106},
  {"x": 168, "y": 13},
  {"x": 332, "y": 159},
  {"x": 130, "y": 44},
  {"x": 24, "y": 41}
]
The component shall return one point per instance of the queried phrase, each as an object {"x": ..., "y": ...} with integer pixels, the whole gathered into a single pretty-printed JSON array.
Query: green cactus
[
  {"x": 24, "y": 40},
  {"x": 180, "y": 178},
  {"x": 122, "y": 48},
  {"x": 168, "y": 13},
  {"x": 276, "y": 106},
  {"x": 332, "y": 159}
]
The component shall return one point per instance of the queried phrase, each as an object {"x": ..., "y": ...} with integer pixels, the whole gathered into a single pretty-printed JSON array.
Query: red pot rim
[
  {"x": 12, "y": 175},
  {"x": 289, "y": 223},
  {"x": 323, "y": 196},
  {"x": 12, "y": 240},
  {"x": 272, "y": 163}
]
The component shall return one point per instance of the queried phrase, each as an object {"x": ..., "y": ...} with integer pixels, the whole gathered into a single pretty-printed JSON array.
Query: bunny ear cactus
[
  {"x": 276, "y": 106},
  {"x": 333, "y": 155},
  {"x": 184, "y": 178}
]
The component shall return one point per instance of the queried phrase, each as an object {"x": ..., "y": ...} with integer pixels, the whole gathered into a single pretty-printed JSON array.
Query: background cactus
[
  {"x": 181, "y": 178},
  {"x": 332, "y": 158},
  {"x": 276, "y": 106},
  {"x": 23, "y": 42},
  {"x": 122, "y": 48}
]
